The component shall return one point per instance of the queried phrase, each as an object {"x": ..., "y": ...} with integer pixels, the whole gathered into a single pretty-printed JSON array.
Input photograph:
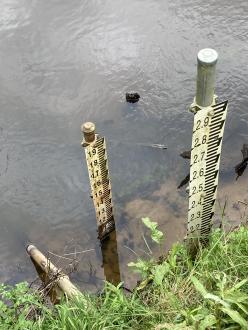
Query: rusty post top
[{"x": 88, "y": 129}]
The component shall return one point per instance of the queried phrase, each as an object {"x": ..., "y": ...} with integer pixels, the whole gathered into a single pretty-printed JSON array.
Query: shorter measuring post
[
  {"x": 97, "y": 163},
  {"x": 208, "y": 130}
]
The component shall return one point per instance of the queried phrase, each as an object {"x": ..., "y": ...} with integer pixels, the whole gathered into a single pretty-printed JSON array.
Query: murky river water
[{"x": 66, "y": 62}]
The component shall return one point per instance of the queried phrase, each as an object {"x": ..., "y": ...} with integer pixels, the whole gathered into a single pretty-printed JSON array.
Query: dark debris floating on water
[
  {"x": 132, "y": 97},
  {"x": 184, "y": 181},
  {"x": 240, "y": 167},
  {"x": 185, "y": 155}
]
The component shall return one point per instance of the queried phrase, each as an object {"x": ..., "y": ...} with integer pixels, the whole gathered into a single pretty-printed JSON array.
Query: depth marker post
[
  {"x": 97, "y": 163},
  {"x": 208, "y": 130}
]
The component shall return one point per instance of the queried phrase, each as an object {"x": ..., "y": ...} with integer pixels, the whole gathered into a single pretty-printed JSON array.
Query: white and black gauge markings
[
  {"x": 97, "y": 163},
  {"x": 204, "y": 169}
]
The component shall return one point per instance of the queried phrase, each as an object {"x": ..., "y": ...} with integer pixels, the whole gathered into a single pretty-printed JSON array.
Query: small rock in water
[{"x": 132, "y": 97}]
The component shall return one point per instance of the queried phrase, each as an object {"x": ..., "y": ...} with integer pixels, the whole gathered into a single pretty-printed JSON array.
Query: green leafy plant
[
  {"x": 142, "y": 267},
  {"x": 146, "y": 268},
  {"x": 175, "y": 293},
  {"x": 229, "y": 302},
  {"x": 20, "y": 308},
  {"x": 156, "y": 235},
  {"x": 159, "y": 272}
]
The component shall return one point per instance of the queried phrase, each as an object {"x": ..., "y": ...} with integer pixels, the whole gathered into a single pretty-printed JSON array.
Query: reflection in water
[{"x": 110, "y": 259}]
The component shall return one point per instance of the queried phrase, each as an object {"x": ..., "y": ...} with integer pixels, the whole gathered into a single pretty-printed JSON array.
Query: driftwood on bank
[{"x": 59, "y": 283}]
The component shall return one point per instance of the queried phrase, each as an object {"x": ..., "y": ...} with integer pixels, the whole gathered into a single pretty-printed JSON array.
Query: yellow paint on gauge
[
  {"x": 97, "y": 163},
  {"x": 207, "y": 138}
]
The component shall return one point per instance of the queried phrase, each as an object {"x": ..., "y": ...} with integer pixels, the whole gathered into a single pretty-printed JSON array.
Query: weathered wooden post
[
  {"x": 58, "y": 283},
  {"x": 208, "y": 129},
  {"x": 97, "y": 163}
]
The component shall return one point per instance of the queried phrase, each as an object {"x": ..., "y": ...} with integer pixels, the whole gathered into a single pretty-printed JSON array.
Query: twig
[
  {"x": 148, "y": 247},
  {"x": 242, "y": 202},
  {"x": 56, "y": 255},
  {"x": 127, "y": 247},
  {"x": 145, "y": 252},
  {"x": 69, "y": 254}
]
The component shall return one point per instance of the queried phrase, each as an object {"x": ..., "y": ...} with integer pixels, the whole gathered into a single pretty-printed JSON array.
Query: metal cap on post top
[
  {"x": 206, "y": 67},
  {"x": 88, "y": 129}
]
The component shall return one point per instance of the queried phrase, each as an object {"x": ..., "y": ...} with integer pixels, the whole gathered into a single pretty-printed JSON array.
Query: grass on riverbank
[{"x": 211, "y": 293}]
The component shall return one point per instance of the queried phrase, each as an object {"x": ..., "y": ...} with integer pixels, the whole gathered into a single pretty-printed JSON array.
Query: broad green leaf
[
  {"x": 144, "y": 283},
  {"x": 159, "y": 273},
  {"x": 236, "y": 297},
  {"x": 236, "y": 317},
  {"x": 242, "y": 307},
  {"x": 207, "y": 322},
  {"x": 156, "y": 235},
  {"x": 149, "y": 224},
  {"x": 141, "y": 266},
  {"x": 216, "y": 299},
  {"x": 238, "y": 285},
  {"x": 199, "y": 286},
  {"x": 202, "y": 290}
]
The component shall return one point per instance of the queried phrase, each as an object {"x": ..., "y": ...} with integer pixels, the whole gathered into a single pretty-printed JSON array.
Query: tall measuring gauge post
[
  {"x": 208, "y": 130},
  {"x": 97, "y": 164}
]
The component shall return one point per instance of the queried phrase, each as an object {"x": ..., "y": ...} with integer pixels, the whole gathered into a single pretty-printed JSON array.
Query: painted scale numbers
[
  {"x": 97, "y": 163},
  {"x": 204, "y": 169}
]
